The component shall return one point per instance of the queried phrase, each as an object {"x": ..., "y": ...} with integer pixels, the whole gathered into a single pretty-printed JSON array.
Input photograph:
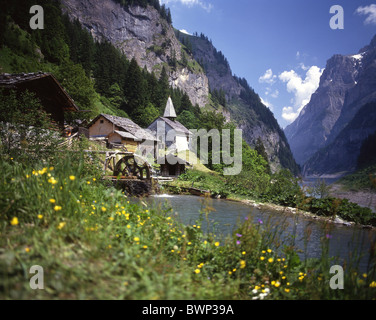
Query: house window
[{"x": 102, "y": 121}]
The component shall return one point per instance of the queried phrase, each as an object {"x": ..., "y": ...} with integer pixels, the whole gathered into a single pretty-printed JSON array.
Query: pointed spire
[{"x": 170, "y": 112}]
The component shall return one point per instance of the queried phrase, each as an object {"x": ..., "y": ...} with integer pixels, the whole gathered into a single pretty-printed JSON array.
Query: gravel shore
[{"x": 364, "y": 198}]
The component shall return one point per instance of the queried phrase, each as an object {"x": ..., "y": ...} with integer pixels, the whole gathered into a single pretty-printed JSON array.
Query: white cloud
[
  {"x": 267, "y": 104},
  {"x": 369, "y": 11},
  {"x": 185, "y": 32},
  {"x": 268, "y": 77},
  {"x": 302, "y": 90},
  {"x": 289, "y": 114},
  {"x": 190, "y": 3},
  {"x": 275, "y": 94}
]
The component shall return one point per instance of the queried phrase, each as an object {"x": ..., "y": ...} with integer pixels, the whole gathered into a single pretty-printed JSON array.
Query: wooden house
[
  {"x": 54, "y": 99},
  {"x": 118, "y": 130},
  {"x": 174, "y": 135}
]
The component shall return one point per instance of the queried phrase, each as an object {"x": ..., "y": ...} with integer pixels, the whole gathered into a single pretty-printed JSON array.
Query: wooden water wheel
[{"x": 131, "y": 168}]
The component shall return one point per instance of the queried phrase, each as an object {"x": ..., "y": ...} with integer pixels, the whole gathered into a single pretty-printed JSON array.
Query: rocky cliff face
[
  {"x": 321, "y": 132},
  {"x": 341, "y": 156},
  {"x": 142, "y": 34},
  {"x": 312, "y": 128}
]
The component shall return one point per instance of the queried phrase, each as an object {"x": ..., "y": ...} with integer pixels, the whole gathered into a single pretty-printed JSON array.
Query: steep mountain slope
[
  {"x": 312, "y": 128},
  {"x": 347, "y": 85},
  {"x": 141, "y": 33},
  {"x": 243, "y": 105},
  {"x": 341, "y": 155}
]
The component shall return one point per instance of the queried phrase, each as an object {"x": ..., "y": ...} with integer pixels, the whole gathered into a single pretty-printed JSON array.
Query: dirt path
[{"x": 364, "y": 198}]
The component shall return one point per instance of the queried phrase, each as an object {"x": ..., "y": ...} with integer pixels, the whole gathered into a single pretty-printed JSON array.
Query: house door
[{"x": 172, "y": 170}]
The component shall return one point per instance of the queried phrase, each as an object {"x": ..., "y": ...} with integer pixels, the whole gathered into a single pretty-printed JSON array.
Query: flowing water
[{"x": 225, "y": 215}]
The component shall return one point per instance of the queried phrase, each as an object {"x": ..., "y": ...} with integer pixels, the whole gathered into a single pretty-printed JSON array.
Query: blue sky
[{"x": 280, "y": 47}]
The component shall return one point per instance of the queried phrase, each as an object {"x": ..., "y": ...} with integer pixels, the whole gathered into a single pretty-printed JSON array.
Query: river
[{"x": 226, "y": 215}]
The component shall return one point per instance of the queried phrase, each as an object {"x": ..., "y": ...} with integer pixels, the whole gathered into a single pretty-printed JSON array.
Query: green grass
[
  {"x": 364, "y": 179},
  {"x": 94, "y": 243}
]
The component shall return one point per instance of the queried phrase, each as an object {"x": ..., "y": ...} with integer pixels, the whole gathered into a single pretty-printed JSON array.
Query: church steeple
[{"x": 170, "y": 112}]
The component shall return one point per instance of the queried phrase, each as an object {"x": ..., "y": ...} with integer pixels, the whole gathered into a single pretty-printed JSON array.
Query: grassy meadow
[{"x": 93, "y": 243}]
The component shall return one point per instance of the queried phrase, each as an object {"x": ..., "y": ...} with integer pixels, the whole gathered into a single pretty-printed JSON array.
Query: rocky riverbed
[{"x": 364, "y": 198}]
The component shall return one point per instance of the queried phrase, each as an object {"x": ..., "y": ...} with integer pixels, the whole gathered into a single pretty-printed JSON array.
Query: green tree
[
  {"x": 134, "y": 90},
  {"x": 116, "y": 95},
  {"x": 79, "y": 86},
  {"x": 26, "y": 131},
  {"x": 260, "y": 148}
]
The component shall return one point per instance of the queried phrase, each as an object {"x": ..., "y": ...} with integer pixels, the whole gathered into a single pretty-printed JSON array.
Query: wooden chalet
[
  {"x": 54, "y": 99},
  {"x": 121, "y": 131}
]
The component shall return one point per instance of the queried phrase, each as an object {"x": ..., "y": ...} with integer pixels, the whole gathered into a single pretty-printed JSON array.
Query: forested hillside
[{"x": 97, "y": 75}]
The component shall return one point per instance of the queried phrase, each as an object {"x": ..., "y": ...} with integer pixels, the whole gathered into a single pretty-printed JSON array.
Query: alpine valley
[
  {"x": 326, "y": 139},
  {"x": 192, "y": 63}
]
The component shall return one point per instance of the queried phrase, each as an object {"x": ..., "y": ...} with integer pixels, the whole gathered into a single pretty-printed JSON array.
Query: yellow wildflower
[
  {"x": 14, "y": 221},
  {"x": 58, "y": 208},
  {"x": 197, "y": 271},
  {"x": 72, "y": 178},
  {"x": 373, "y": 284},
  {"x": 242, "y": 264},
  {"x": 52, "y": 201},
  {"x": 137, "y": 239},
  {"x": 216, "y": 244},
  {"x": 40, "y": 217},
  {"x": 262, "y": 258},
  {"x": 271, "y": 260},
  {"x": 52, "y": 181},
  {"x": 61, "y": 225},
  {"x": 27, "y": 250}
]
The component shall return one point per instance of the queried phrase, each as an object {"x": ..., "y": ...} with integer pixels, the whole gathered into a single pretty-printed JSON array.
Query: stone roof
[
  {"x": 127, "y": 125},
  {"x": 176, "y": 125},
  {"x": 126, "y": 135}
]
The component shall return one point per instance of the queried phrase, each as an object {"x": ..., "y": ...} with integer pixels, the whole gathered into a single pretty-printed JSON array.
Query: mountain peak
[{"x": 347, "y": 84}]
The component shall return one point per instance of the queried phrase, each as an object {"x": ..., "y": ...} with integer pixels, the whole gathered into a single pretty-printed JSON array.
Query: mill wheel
[{"x": 129, "y": 167}]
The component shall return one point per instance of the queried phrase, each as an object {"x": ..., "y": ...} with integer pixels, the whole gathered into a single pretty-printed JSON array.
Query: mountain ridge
[{"x": 346, "y": 86}]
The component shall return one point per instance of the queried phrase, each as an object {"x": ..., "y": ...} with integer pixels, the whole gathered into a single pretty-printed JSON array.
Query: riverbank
[
  {"x": 274, "y": 207},
  {"x": 364, "y": 198}
]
